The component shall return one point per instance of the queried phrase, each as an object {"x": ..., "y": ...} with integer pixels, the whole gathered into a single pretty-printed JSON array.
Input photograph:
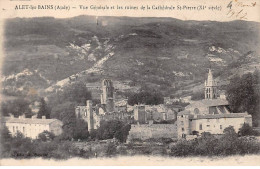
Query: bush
[
  {"x": 46, "y": 136},
  {"x": 247, "y": 130},
  {"x": 183, "y": 148},
  {"x": 110, "y": 149},
  {"x": 207, "y": 144}
]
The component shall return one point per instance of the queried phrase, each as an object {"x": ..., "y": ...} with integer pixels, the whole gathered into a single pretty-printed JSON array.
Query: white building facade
[{"x": 32, "y": 127}]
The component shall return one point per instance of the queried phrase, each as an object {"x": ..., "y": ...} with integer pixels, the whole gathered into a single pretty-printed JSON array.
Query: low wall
[{"x": 146, "y": 131}]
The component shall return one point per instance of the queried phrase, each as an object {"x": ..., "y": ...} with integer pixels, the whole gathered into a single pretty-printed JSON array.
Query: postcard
[{"x": 130, "y": 82}]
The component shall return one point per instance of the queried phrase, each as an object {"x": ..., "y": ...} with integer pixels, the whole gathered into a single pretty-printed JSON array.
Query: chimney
[
  {"x": 43, "y": 117},
  {"x": 34, "y": 117},
  {"x": 22, "y": 116}
]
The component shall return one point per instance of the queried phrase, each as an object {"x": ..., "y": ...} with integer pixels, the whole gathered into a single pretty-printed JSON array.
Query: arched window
[{"x": 196, "y": 111}]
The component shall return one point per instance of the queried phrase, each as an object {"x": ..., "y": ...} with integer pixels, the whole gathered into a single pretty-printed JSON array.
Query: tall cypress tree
[{"x": 44, "y": 109}]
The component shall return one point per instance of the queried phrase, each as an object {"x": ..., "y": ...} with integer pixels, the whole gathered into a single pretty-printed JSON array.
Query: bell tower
[
  {"x": 210, "y": 87},
  {"x": 107, "y": 97}
]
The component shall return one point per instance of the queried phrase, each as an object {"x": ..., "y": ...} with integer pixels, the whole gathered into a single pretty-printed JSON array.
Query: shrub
[
  {"x": 207, "y": 144},
  {"x": 183, "y": 148},
  {"x": 247, "y": 130},
  {"x": 46, "y": 136},
  {"x": 110, "y": 149}
]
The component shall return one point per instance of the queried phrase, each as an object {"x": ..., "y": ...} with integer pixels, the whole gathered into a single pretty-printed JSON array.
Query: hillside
[{"x": 171, "y": 55}]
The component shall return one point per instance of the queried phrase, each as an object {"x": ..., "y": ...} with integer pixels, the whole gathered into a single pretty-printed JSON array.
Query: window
[
  {"x": 220, "y": 126},
  {"x": 182, "y": 129},
  {"x": 200, "y": 126},
  {"x": 182, "y": 123},
  {"x": 208, "y": 125},
  {"x": 13, "y": 128},
  {"x": 196, "y": 111}
]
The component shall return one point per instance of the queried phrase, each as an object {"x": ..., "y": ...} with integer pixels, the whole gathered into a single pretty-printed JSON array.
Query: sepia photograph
[{"x": 100, "y": 87}]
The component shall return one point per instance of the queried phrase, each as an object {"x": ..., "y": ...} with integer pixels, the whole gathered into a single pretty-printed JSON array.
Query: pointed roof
[{"x": 210, "y": 80}]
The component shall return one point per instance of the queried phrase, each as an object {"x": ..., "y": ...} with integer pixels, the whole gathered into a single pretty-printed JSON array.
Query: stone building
[
  {"x": 211, "y": 114},
  {"x": 107, "y": 96},
  {"x": 32, "y": 127},
  {"x": 93, "y": 118},
  {"x": 81, "y": 112},
  {"x": 140, "y": 114}
]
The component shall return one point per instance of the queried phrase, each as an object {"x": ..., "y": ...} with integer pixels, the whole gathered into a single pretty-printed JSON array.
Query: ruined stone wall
[{"x": 146, "y": 131}]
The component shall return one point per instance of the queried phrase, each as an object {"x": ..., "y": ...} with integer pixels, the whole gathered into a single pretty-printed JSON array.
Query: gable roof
[
  {"x": 28, "y": 120},
  {"x": 215, "y": 116},
  {"x": 184, "y": 112},
  {"x": 208, "y": 103}
]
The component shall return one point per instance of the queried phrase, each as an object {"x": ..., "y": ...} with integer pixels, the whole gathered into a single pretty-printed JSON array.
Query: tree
[
  {"x": 77, "y": 92},
  {"x": 243, "y": 94},
  {"x": 44, "y": 110},
  {"x": 247, "y": 130},
  {"x": 16, "y": 107},
  {"x": 46, "y": 136},
  {"x": 198, "y": 96},
  {"x": 68, "y": 117},
  {"x": 145, "y": 97},
  {"x": 81, "y": 131},
  {"x": 113, "y": 129},
  {"x": 5, "y": 142}
]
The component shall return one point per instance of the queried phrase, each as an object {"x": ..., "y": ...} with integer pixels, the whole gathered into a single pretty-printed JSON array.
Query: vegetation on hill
[
  {"x": 16, "y": 107},
  {"x": 165, "y": 53},
  {"x": 243, "y": 95}
]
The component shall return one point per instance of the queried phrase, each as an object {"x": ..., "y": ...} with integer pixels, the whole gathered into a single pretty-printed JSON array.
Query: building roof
[
  {"x": 27, "y": 120},
  {"x": 208, "y": 103},
  {"x": 184, "y": 112},
  {"x": 215, "y": 116}
]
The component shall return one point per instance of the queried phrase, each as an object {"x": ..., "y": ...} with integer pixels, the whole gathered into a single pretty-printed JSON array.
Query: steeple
[{"x": 210, "y": 87}]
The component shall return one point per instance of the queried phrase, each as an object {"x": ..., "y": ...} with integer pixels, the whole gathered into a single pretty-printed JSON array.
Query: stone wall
[{"x": 146, "y": 131}]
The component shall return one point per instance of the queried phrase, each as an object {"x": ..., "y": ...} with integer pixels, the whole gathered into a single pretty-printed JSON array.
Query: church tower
[
  {"x": 107, "y": 96},
  {"x": 210, "y": 87}
]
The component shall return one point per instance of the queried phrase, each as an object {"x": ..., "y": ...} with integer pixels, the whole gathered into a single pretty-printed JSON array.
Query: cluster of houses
[{"x": 211, "y": 114}]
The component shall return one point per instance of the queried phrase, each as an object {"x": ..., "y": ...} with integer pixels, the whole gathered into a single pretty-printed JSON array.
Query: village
[{"x": 166, "y": 120}]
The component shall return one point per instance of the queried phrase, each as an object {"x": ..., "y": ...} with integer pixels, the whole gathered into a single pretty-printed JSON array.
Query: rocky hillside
[{"x": 171, "y": 55}]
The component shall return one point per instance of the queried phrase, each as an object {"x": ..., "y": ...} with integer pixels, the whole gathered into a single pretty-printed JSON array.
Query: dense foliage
[
  {"x": 243, "y": 94},
  {"x": 44, "y": 109},
  {"x": 247, "y": 130},
  {"x": 145, "y": 97},
  {"x": 198, "y": 96},
  {"x": 16, "y": 107},
  {"x": 208, "y": 145},
  {"x": 112, "y": 129},
  {"x": 47, "y": 146}
]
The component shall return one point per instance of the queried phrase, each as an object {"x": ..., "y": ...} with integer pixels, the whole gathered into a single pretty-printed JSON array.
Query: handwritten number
[{"x": 229, "y": 5}]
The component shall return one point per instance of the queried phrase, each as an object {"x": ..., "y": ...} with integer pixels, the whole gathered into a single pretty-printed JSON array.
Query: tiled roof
[
  {"x": 28, "y": 120},
  {"x": 215, "y": 116},
  {"x": 184, "y": 112},
  {"x": 207, "y": 103}
]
